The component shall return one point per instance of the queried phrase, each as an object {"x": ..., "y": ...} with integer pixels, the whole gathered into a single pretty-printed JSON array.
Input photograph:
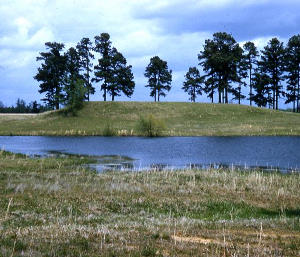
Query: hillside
[{"x": 182, "y": 119}]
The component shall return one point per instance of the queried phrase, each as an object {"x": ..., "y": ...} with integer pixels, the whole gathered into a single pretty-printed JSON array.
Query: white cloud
[{"x": 27, "y": 24}]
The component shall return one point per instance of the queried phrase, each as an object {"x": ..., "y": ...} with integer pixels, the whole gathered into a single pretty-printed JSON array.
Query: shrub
[
  {"x": 151, "y": 126},
  {"x": 109, "y": 131}
]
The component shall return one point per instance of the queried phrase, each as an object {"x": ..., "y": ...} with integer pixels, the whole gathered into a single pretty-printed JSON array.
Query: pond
[{"x": 138, "y": 153}]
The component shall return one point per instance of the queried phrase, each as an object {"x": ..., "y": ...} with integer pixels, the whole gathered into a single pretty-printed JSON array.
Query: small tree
[
  {"x": 76, "y": 97},
  {"x": 262, "y": 94},
  {"x": 159, "y": 78},
  {"x": 193, "y": 83}
]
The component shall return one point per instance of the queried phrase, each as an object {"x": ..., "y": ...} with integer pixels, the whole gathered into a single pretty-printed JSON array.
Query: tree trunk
[
  {"x": 298, "y": 90},
  {"x": 112, "y": 96},
  {"x": 194, "y": 95},
  {"x": 277, "y": 96},
  {"x": 220, "y": 96},
  {"x": 239, "y": 94},
  {"x": 294, "y": 106},
  {"x": 226, "y": 95},
  {"x": 104, "y": 93},
  {"x": 88, "y": 80},
  {"x": 157, "y": 96},
  {"x": 57, "y": 98},
  {"x": 273, "y": 100},
  {"x": 250, "y": 86}
]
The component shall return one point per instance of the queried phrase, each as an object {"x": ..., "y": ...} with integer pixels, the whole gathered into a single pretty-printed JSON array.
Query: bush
[
  {"x": 109, "y": 131},
  {"x": 151, "y": 126}
]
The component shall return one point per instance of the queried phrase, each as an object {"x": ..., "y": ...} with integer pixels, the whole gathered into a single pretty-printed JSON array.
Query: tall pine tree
[
  {"x": 72, "y": 73},
  {"x": 292, "y": 68},
  {"x": 102, "y": 69},
  {"x": 193, "y": 83},
  {"x": 84, "y": 48},
  {"x": 272, "y": 65},
  {"x": 159, "y": 78},
  {"x": 51, "y": 73},
  {"x": 220, "y": 59},
  {"x": 250, "y": 55},
  {"x": 112, "y": 69}
]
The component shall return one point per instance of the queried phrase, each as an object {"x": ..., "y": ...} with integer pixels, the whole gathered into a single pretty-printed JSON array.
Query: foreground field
[
  {"x": 56, "y": 207},
  {"x": 182, "y": 119}
]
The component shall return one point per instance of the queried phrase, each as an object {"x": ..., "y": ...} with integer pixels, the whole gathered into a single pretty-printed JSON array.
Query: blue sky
[{"x": 175, "y": 30}]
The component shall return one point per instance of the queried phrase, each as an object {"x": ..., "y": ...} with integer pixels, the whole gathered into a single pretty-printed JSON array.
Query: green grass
[
  {"x": 181, "y": 119},
  {"x": 57, "y": 207}
]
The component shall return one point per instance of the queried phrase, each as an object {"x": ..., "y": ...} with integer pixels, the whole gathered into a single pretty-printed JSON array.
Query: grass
[
  {"x": 181, "y": 119},
  {"x": 57, "y": 207}
]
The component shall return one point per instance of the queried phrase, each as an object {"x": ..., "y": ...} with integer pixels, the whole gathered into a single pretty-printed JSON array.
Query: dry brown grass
[{"x": 54, "y": 207}]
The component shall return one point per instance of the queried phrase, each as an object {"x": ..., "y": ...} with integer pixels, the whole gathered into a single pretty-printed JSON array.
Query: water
[{"x": 281, "y": 153}]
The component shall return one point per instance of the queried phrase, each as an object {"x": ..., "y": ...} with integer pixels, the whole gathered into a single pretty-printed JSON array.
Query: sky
[{"x": 175, "y": 30}]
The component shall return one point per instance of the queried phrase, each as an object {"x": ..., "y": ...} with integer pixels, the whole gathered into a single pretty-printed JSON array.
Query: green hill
[{"x": 181, "y": 119}]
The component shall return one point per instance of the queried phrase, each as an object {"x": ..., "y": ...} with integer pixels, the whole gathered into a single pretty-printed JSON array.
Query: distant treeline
[
  {"x": 22, "y": 107},
  {"x": 69, "y": 77}
]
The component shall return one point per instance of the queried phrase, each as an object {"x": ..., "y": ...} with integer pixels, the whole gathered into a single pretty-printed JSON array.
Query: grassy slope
[
  {"x": 52, "y": 207},
  {"x": 182, "y": 119}
]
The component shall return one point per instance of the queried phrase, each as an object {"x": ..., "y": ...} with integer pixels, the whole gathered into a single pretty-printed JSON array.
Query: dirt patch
[{"x": 198, "y": 240}]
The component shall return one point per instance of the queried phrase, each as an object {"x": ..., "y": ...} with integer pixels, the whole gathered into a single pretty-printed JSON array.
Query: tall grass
[{"x": 109, "y": 131}]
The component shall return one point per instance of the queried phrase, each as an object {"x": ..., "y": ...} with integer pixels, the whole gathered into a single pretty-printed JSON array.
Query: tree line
[
  {"x": 69, "y": 77},
  {"x": 22, "y": 107},
  {"x": 227, "y": 67}
]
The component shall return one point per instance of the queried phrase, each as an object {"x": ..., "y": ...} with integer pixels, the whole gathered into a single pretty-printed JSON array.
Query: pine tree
[
  {"x": 102, "y": 72},
  {"x": 51, "y": 73},
  {"x": 112, "y": 69},
  {"x": 84, "y": 48},
  {"x": 292, "y": 68},
  {"x": 193, "y": 83},
  {"x": 72, "y": 73},
  {"x": 262, "y": 93},
  {"x": 272, "y": 65},
  {"x": 122, "y": 77},
  {"x": 250, "y": 56},
  {"x": 220, "y": 59},
  {"x": 159, "y": 78}
]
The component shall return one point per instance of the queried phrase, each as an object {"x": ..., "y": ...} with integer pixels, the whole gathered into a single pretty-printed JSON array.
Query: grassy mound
[{"x": 181, "y": 119}]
